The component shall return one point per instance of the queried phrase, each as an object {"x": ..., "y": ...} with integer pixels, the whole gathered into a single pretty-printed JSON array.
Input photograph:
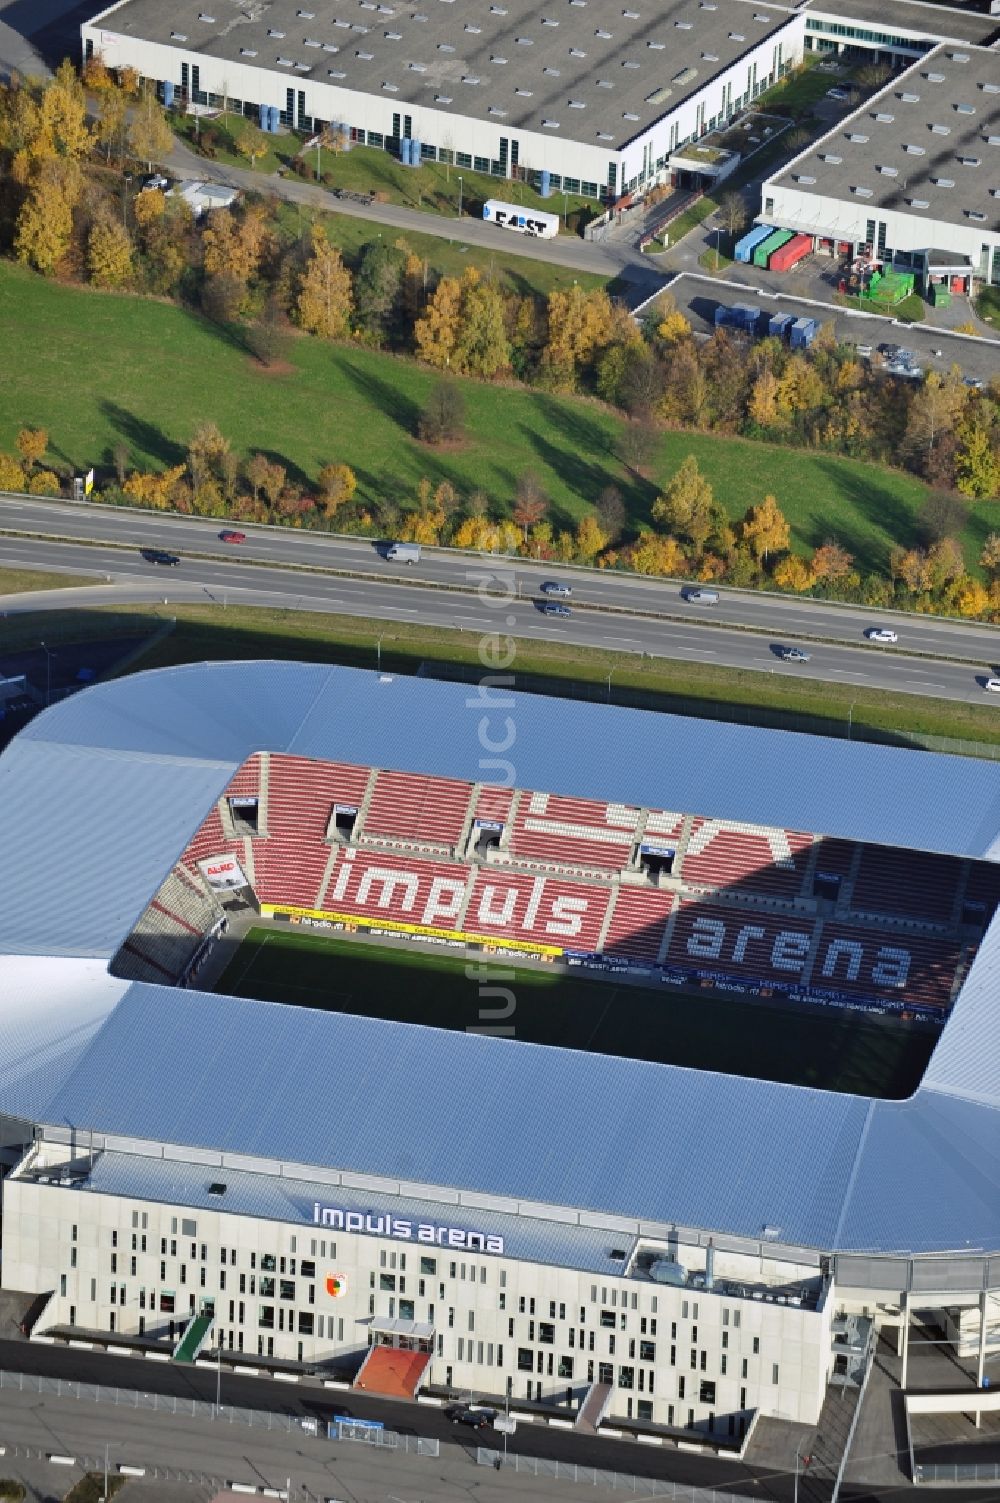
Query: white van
[
  {"x": 702, "y": 597},
  {"x": 404, "y": 553}
]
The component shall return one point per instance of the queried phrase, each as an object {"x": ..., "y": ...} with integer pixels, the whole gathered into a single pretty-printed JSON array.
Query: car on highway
[
  {"x": 478, "y": 1419},
  {"x": 556, "y": 587},
  {"x": 701, "y": 597},
  {"x": 555, "y": 608},
  {"x": 159, "y": 556},
  {"x": 992, "y": 685},
  {"x": 795, "y": 655},
  {"x": 227, "y": 535},
  {"x": 881, "y": 634}
]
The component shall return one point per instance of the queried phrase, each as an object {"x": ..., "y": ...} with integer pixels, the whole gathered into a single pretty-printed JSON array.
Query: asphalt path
[{"x": 310, "y": 1399}]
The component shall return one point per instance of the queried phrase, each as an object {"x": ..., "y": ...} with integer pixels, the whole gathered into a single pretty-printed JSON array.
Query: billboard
[{"x": 222, "y": 873}]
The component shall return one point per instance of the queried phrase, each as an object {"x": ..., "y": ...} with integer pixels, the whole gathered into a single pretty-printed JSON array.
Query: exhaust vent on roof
[
  {"x": 965, "y": 109},
  {"x": 683, "y": 25},
  {"x": 914, "y": 151},
  {"x": 658, "y": 95},
  {"x": 605, "y": 83},
  {"x": 833, "y": 159},
  {"x": 710, "y": 57},
  {"x": 551, "y": 72},
  {"x": 909, "y": 98},
  {"x": 417, "y": 67},
  {"x": 919, "y": 203},
  {"x": 976, "y": 214},
  {"x": 445, "y": 47},
  {"x": 283, "y": 62},
  {"x": 804, "y": 177},
  {"x": 605, "y": 36},
  {"x": 604, "y": 135},
  {"x": 655, "y": 46},
  {"x": 469, "y": 78},
  {"x": 990, "y": 88},
  {"x": 524, "y": 93},
  {"x": 971, "y": 161},
  {"x": 577, "y": 52},
  {"x": 311, "y": 42},
  {"x": 248, "y": 52},
  {"x": 943, "y": 182},
  {"x": 628, "y": 115},
  {"x": 684, "y": 76},
  {"x": 496, "y": 110},
  {"x": 498, "y": 60},
  {"x": 889, "y": 171},
  {"x": 335, "y": 73},
  {"x": 934, "y": 77},
  {"x": 762, "y": 18},
  {"x": 474, "y": 29},
  {"x": 551, "y": 124},
  {"x": 630, "y": 64},
  {"x": 577, "y": 104},
  {"x": 993, "y": 140},
  {"x": 631, "y": 15},
  {"x": 737, "y": 36},
  {"x": 959, "y": 57},
  {"x": 885, "y": 118},
  {"x": 861, "y": 191},
  {"x": 393, "y": 36},
  {"x": 366, "y": 57},
  {"x": 442, "y": 99},
  {"x": 391, "y": 88},
  {"x": 277, "y": 34},
  {"x": 330, "y": 47},
  {"x": 858, "y": 137},
  {"x": 181, "y": 36},
  {"x": 525, "y": 41}
]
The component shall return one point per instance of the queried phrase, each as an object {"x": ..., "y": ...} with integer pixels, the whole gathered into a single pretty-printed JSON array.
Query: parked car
[
  {"x": 881, "y": 634},
  {"x": 556, "y": 587},
  {"x": 555, "y": 608},
  {"x": 838, "y": 93},
  {"x": 795, "y": 655},
  {"x": 159, "y": 556},
  {"x": 227, "y": 535},
  {"x": 478, "y": 1419},
  {"x": 156, "y": 180}
]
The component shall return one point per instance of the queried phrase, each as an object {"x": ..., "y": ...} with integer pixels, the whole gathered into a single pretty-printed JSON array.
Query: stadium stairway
[
  {"x": 593, "y": 1408},
  {"x": 195, "y": 1335},
  {"x": 392, "y": 1372}
]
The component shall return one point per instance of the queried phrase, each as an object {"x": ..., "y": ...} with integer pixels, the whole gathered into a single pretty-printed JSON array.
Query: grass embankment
[
  {"x": 368, "y": 169},
  {"x": 162, "y": 370},
  {"x": 20, "y": 581},
  {"x": 832, "y": 1050},
  {"x": 205, "y": 633}
]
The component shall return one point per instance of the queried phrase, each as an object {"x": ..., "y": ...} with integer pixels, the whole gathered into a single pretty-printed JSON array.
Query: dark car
[
  {"x": 555, "y": 608},
  {"x": 159, "y": 556},
  {"x": 478, "y": 1419}
]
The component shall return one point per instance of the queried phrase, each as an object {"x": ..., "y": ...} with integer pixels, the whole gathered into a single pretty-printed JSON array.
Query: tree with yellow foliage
[
  {"x": 64, "y": 131},
  {"x": 31, "y": 445},
  {"x": 149, "y": 135},
  {"x": 653, "y": 554},
  {"x": 422, "y": 527},
  {"x": 435, "y": 333},
  {"x": 580, "y": 325},
  {"x": 673, "y": 327},
  {"x": 590, "y": 540},
  {"x": 765, "y": 530},
  {"x": 44, "y": 483},
  {"x": 152, "y": 489},
  {"x": 481, "y": 344},
  {"x": 793, "y": 573},
  {"x": 764, "y": 406},
  {"x": 324, "y": 305},
  {"x": 252, "y": 144},
  {"x": 337, "y": 484},
  {"x": 970, "y": 597},
  {"x": 109, "y": 253},
  {"x": 148, "y": 207},
  {"x": 831, "y": 562},
  {"x": 11, "y": 474},
  {"x": 45, "y": 222}
]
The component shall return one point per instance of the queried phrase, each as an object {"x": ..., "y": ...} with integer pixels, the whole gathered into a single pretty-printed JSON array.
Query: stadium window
[
  {"x": 525, "y": 1360},
  {"x": 744, "y": 1369},
  {"x": 608, "y": 1318},
  {"x": 673, "y": 1356},
  {"x": 472, "y": 1320},
  {"x": 342, "y": 821},
  {"x": 387, "y": 1281},
  {"x": 694, "y": 1359},
  {"x": 428, "y": 1265},
  {"x": 774, "y": 1372},
  {"x": 503, "y": 1300},
  {"x": 756, "y": 1346},
  {"x": 451, "y": 1270},
  {"x": 736, "y": 1319},
  {"x": 694, "y": 1333},
  {"x": 451, "y": 1317},
  {"x": 552, "y": 1309},
  {"x": 611, "y": 1346},
  {"x": 546, "y": 1332},
  {"x": 605, "y": 1373},
  {"x": 522, "y": 1304},
  {"x": 307, "y": 1269},
  {"x": 703, "y": 1363},
  {"x": 265, "y": 1317},
  {"x": 286, "y": 1289},
  {"x": 725, "y": 1339},
  {"x": 647, "y": 1351},
  {"x": 684, "y": 1309},
  {"x": 723, "y": 1364},
  {"x": 406, "y": 1309},
  {"x": 306, "y": 1320}
]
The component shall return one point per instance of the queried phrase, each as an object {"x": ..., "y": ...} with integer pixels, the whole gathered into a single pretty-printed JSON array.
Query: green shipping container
[{"x": 766, "y": 248}]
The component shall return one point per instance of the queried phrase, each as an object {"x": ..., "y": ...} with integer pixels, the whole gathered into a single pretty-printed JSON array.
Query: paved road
[{"x": 642, "y": 616}]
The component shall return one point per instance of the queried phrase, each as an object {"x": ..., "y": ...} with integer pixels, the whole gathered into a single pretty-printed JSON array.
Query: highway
[{"x": 311, "y": 571}]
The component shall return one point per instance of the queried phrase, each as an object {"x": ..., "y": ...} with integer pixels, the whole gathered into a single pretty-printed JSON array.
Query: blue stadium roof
[{"x": 102, "y": 793}]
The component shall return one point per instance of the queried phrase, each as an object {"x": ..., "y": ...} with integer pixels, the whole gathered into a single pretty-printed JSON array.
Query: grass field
[
  {"x": 154, "y": 371},
  {"x": 19, "y": 581},
  {"x": 831, "y": 1050}
]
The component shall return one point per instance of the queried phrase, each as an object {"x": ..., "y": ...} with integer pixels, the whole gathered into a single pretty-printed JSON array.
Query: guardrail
[{"x": 596, "y": 1476}]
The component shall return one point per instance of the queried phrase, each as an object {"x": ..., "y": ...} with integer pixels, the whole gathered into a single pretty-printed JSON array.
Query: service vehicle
[
  {"x": 534, "y": 222},
  {"x": 881, "y": 634},
  {"x": 702, "y": 597},
  {"x": 404, "y": 553}
]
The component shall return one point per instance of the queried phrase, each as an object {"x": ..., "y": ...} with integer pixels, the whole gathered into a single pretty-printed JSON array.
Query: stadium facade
[{"x": 667, "y": 1247}]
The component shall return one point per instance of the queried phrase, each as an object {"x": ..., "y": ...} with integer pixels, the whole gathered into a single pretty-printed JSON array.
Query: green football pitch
[{"x": 824, "y": 1047}]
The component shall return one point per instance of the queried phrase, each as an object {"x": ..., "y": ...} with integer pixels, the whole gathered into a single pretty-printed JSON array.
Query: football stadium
[{"x": 429, "y": 1036}]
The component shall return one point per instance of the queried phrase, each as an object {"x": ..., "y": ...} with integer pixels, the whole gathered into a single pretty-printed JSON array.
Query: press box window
[
  {"x": 342, "y": 821},
  {"x": 243, "y": 812}
]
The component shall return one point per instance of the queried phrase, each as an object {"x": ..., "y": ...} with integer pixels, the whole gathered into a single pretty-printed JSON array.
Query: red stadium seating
[
  {"x": 401, "y": 888},
  {"x": 906, "y": 883},
  {"x": 729, "y": 855},
  {"x": 573, "y": 832},
  {"x": 289, "y": 863},
  {"x": 637, "y": 924},
  {"x": 537, "y": 909},
  {"x": 406, "y": 806}
]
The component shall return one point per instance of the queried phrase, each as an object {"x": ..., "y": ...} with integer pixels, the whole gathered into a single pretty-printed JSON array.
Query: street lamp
[
  {"x": 805, "y": 1464},
  {"x": 378, "y": 649},
  {"x": 565, "y": 204},
  {"x": 459, "y": 195},
  {"x": 718, "y": 235},
  {"x": 48, "y": 673},
  {"x": 850, "y": 718},
  {"x": 126, "y": 183}
]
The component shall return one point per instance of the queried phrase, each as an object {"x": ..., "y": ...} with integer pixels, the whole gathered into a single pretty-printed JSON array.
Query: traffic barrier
[
  {"x": 242, "y": 1487},
  {"x": 286, "y": 1377},
  {"x": 82, "y": 1346},
  {"x": 131, "y": 1471},
  {"x": 119, "y": 1351},
  {"x": 63, "y": 1460},
  {"x": 248, "y": 1372}
]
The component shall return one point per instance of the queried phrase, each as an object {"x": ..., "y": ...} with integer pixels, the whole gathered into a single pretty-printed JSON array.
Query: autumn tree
[
  {"x": 831, "y": 562},
  {"x": 63, "y": 128},
  {"x": 268, "y": 337},
  {"x": 324, "y": 301},
  {"x": 31, "y": 445},
  {"x": 377, "y": 284},
  {"x": 337, "y": 484},
  {"x": 609, "y": 509},
  {"x": 205, "y": 453},
  {"x": 442, "y": 418},
  {"x": 252, "y": 144},
  {"x": 686, "y": 505},
  {"x": 45, "y": 222},
  {"x": 733, "y": 213},
  {"x": 765, "y": 530},
  {"x": 109, "y": 253},
  {"x": 149, "y": 135},
  {"x": 112, "y": 111},
  {"x": 934, "y": 409},
  {"x": 654, "y": 554},
  {"x": 482, "y": 347},
  {"x": 257, "y": 471},
  {"x": 764, "y": 407},
  {"x": 989, "y": 558},
  {"x": 530, "y": 504},
  {"x": 590, "y": 539},
  {"x": 793, "y": 573},
  {"x": 580, "y": 324},
  {"x": 435, "y": 333},
  {"x": 970, "y": 598},
  {"x": 977, "y": 463},
  {"x": 12, "y": 477},
  {"x": 155, "y": 490}
]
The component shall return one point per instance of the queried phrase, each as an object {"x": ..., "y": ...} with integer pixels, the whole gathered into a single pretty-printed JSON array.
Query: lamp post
[
  {"x": 718, "y": 235},
  {"x": 48, "y": 673},
  {"x": 850, "y": 718},
  {"x": 104, "y": 1499},
  {"x": 565, "y": 207},
  {"x": 126, "y": 183},
  {"x": 459, "y": 195},
  {"x": 378, "y": 650},
  {"x": 805, "y": 1463}
]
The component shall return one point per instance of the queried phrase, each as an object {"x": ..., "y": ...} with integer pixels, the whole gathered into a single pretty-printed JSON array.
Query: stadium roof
[
  {"x": 598, "y": 68},
  {"x": 928, "y": 144},
  {"x": 102, "y": 793}
]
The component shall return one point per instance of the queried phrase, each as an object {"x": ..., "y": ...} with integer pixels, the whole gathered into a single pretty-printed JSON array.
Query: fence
[
  {"x": 594, "y": 1476},
  {"x": 958, "y": 1473},
  {"x": 231, "y": 1414}
]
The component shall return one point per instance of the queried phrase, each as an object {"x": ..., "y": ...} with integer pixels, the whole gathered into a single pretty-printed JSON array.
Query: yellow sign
[{"x": 352, "y": 921}]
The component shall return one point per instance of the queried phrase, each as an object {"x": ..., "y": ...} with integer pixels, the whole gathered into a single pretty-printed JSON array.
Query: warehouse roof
[
  {"x": 108, "y": 787},
  {"x": 928, "y": 144},
  {"x": 599, "y": 71},
  {"x": 918, "y": 17}
]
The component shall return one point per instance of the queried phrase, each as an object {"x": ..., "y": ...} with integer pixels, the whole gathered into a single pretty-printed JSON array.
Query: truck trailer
[
  {"x": 791, "y": 253},
  {"x": 525, "y": 221}
]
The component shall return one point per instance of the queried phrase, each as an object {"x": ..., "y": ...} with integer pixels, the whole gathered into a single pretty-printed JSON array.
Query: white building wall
[
  {"x": 537, "y": 149},
  {"x": 488, "y": 1311}
]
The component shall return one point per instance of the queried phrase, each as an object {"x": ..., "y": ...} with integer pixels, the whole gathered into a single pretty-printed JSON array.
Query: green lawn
[
  {"x": 19, "y": 581},
  {"x": 96, "y": 369},
  {"x": 831, "y": 1050},
  {"x": 911, "y": 310}
]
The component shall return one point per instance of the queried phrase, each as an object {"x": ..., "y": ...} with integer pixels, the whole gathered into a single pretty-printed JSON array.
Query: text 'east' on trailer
[{"x": 524, "y": 221}]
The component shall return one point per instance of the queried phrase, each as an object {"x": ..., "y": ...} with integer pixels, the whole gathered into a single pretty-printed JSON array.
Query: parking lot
[{"x": 698, "y": 296}]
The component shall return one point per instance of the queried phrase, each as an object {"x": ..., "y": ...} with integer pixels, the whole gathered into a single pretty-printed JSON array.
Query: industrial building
[
  {"x": 912, "y": 179},
  {"x": 664, "y": 1248}
]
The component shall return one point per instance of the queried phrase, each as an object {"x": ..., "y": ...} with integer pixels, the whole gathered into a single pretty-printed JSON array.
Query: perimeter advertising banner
[
  {"x": 222, "y": 873},
  {"x": 321, "y": 916}
]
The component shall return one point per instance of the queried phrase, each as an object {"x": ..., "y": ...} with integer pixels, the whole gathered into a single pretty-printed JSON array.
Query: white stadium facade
[{"x": 666, "y": 1248}]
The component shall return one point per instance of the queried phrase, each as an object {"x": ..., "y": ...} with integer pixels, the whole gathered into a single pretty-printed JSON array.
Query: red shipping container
[{"x": 786, "y": 256}]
